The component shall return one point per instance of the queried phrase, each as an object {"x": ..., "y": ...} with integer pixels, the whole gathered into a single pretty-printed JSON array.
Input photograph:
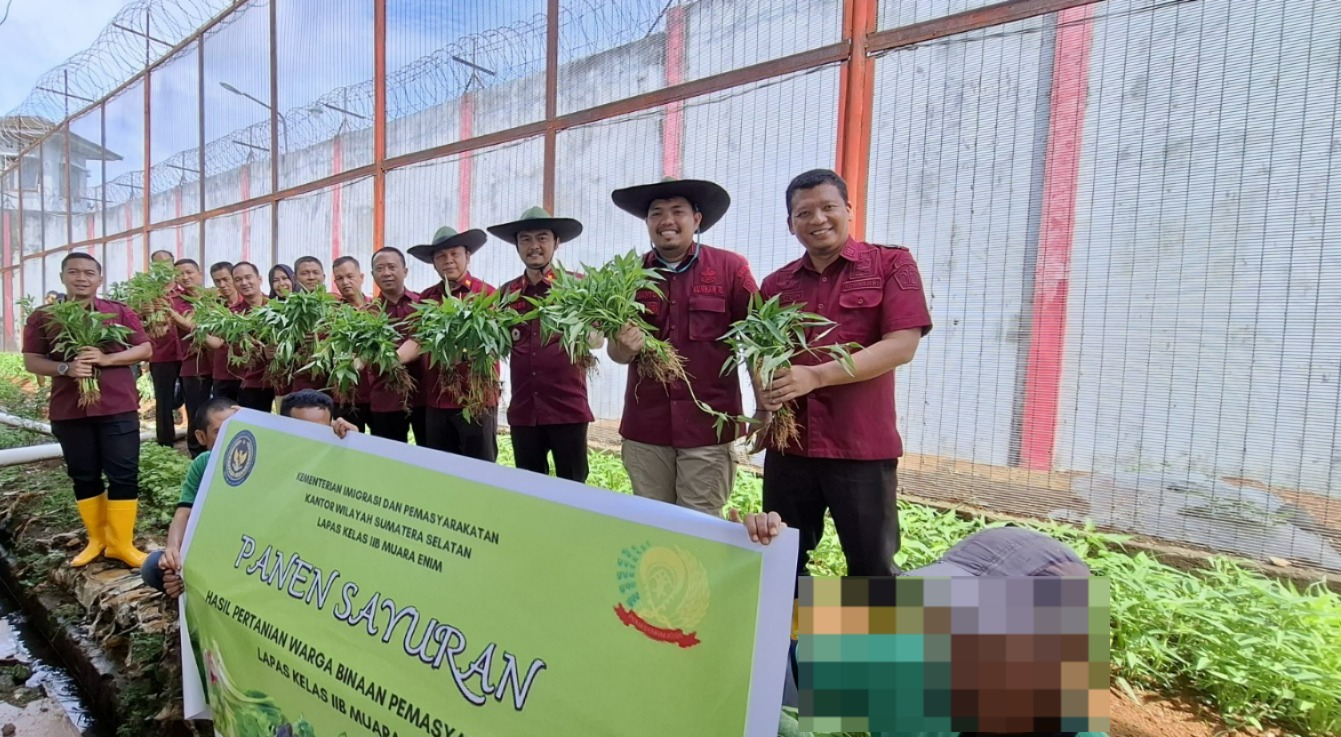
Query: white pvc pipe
[
  {"x": 25, "y": 423},
  {"x": 52, "y": 451}
]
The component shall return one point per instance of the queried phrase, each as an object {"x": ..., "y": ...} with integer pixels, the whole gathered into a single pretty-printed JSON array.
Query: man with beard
[
  {"x": 671, "y": 448},
  {"x": 448, "y": 428},
  {"x": 98, "y": 438},
  {"x": 549, "y": 412}
]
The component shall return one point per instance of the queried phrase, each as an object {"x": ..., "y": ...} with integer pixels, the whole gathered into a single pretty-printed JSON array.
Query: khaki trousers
[{"x": 697, "y": 478}]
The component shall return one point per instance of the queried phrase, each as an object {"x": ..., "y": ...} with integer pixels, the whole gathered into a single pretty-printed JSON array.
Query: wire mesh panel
[
  {"x": 240, "y": 236},
  {"x": 473, "y": 68},
  {"x": 237, "y": 107},
  {"x": 896, "y": 13},
  {"x": 418, "y": 200},
  {"x": 125, "y": 141},
  {"x": 324, "y": 58},
  {"x": 1206, "y": 304},
  {"x": 87, "y": 160},
  {"x": 959, "y": 133},
  {"x": 55, "y": 189},
  {"x": 328, "y": 224},
  {"x": 174, "y": 136},
  {"x": 721, "y": 35}
]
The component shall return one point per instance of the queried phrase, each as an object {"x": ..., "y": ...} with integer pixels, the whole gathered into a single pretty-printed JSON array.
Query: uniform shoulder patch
[{"x": 907, "y": 278}]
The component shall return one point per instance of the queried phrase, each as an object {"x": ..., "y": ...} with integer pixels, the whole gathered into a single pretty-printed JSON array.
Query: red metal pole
[
  {"x": 1061, "y": 179},
  {"x": 855, "y": 100},
  {"x": 551, "y": 102},
  {"x": 672, "y": 135},
  {"x": 379, "y": 123}
]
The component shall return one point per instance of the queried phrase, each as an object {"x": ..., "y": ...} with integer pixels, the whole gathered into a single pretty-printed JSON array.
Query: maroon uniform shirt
[
  {"x": 547, "y": 387},
  {"x": 117, "y": 383},
  {"x": 383, "y": 399},
  {"x": 434, "y": 396},
  {"x": 868, "y": 292},
  {"x": 252, "y": 374},
  {"x": 710, "y": 289},
  {"x": 363, "y": 389},
  {"x": 196, "y": 361}
]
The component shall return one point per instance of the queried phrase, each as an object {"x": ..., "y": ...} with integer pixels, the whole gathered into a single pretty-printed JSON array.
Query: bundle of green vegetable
[
  {"x": 77, "y": 327},
  {"x": 208, "y": 308},
  {"x": 475, "y": 330},
  {"x": 26, "y": 307},
  {"x": 147, "y": 294},
  {"x": 290, "y": 326},
  {"x": 351, "y": 337},
  {"x": 238, "y": 331},
  {"x": 767, "y": 341},
  {"x": 605, "y": 301}
]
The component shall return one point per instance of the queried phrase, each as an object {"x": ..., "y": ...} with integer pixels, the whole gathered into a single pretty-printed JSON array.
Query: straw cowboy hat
[
  {"x": 710, "y": 198},
  {"x": 538, "y": 218},
  {"x": 447, "y": 237}
]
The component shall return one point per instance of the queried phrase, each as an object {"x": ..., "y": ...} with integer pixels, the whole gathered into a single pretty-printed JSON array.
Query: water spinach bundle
[
  {"x": 475, "y": 330},
  {"x": 352, "y": 338},
  {"x": 291, "y": 326},
  {"x": 147, "y": 294},
  {"x": 77, "y": 327}
]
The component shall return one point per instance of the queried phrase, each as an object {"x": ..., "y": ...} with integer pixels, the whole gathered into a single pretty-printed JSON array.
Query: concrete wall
[{"x": 1204, "y": 323}]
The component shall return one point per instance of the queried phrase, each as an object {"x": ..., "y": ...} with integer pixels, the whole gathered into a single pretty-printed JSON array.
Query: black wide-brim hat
[
  {"x": 472, "y": 240},
  {"x": 710, "y": 198},
  {"x": 538, "y": 218}
]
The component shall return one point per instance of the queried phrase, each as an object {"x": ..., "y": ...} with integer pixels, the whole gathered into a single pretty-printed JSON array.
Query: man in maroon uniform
[
  {"x": 197, "y": 367},
  {"x": 846, "y": 455},
  {"x": 311, "y": 277},
  {"x": 165, "y": 369},
  {"x": 256, "y": 393},
  {"x": 389, "y": 418},
  {"x": 549, "y": 412},
  {"x": 227, "y": 382},
  {"x": 102, "y": 438},
  {"x": 348, "y": 276},
  {"x": 448, "y": 428},
  {"x": 672, "y": 450}
]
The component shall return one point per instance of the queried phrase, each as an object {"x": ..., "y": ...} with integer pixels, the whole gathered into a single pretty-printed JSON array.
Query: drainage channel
[{"x": 45, "y": 700}]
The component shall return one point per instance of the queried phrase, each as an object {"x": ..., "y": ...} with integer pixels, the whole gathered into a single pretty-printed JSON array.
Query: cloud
[{"x": 41, "y": 35}]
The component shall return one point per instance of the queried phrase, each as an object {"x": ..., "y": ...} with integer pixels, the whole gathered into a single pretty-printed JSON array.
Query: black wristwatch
[{"x": 63, "y": 369}]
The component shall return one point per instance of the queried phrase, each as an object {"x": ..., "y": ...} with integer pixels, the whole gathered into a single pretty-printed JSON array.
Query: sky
[{"x": 40, "y": 34}]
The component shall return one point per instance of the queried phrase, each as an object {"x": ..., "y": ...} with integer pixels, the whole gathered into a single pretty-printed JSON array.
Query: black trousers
[
  {"x": 261, "y": 400},
  {"x": 532, "y": 447},
  {"x": 197, "y": 391},
  {"x": 358, "y": 415},
  {"x": 230, "y": 388},
  {"x": 397, "y": 425},
  {"x": 449, "y": 431},
  {"x": 98, "y": 446},
  {"x": 859, "y": 494},
  {"x": 164, "y": 376}
]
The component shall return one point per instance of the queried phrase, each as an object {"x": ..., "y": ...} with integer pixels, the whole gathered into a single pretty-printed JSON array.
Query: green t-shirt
[{"x": 194, "y": 475}]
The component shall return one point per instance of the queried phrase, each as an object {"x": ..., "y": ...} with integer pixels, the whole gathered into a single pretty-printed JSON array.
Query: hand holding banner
[{"x": 365, "y": 586}]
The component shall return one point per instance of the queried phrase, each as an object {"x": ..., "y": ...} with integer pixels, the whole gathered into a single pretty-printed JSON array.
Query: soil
[{"x": 1157, "y": 716}]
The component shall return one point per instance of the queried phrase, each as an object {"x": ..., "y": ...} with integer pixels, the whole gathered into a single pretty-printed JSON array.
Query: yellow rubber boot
[
  {"x": 121, "y": 515},
  {"x": 94, "y": 513}
]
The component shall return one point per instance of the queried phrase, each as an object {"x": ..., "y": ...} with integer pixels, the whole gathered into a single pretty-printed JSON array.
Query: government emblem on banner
[
  {"x": 239, "y": 458},
  {"x": 665, "y": 593}
]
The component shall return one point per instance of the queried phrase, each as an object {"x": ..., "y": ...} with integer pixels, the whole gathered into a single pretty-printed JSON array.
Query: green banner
[{"x": 363, "y": 586}]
